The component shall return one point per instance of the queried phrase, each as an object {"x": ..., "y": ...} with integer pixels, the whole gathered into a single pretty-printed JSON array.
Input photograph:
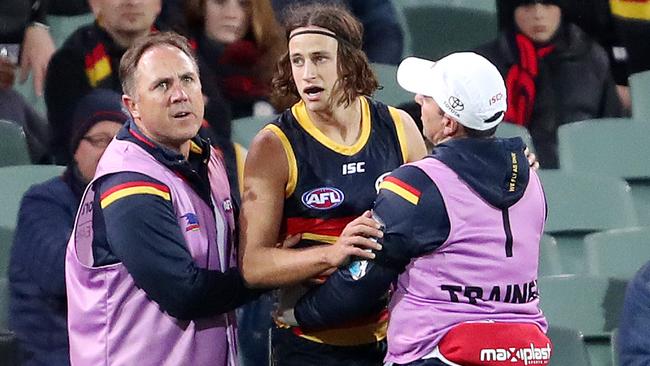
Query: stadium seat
[
  {"x": 549, "y": 257},
  {"x": 13, "y": 144},
  {"x": 244, "y": 129},
  {"x": 391, "y": 93},
  {"x": 617, "y": 253},
  {"x": 512, "y": 130},
  {"x": 579, "y": 204},
  {"x": 4, "y": 302},
  {"x": 439, "y": 27},
  {"x": 568, "y": 347},
  {"x": 640, "y": 92},
  {"x": 614, "y": 340},
  {"x": 591, "y": 305},
  {"x": 617, "y": 147},
  {"x": 61, "y": 26},
  {"x": 14, "y": 182},
  {"x": 6, "y": 240}
]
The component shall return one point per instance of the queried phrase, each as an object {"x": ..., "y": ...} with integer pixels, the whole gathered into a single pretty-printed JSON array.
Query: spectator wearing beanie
[
  {"x": 554, "y": 73},
  {"x": 36, "y": 271}
]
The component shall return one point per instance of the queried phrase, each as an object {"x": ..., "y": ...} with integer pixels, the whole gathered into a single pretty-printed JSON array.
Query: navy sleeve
[
  {"x": 634, "y": 327},
  {"x": 44, "y": 225},
  {"x": 142, "y": 232},
  {"x": 415, "y": 222}
]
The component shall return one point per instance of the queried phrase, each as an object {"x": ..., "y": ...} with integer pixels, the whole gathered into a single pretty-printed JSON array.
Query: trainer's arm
[
  {"x": 413, "y": 227},
  {"x": 263, "y": 262}
]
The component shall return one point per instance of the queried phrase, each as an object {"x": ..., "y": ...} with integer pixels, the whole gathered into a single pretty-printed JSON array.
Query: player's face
[
  {"x": 432, "y": 119},
  {"x": 313, "y": 60},
  {"x": 167, "y": 104},
  {"x": 538, "y": 22}
]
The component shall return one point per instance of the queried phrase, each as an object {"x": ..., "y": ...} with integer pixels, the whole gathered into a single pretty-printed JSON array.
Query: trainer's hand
[
  {"x": 357, "y": 236},
  {"x": 532, "y": 159}
]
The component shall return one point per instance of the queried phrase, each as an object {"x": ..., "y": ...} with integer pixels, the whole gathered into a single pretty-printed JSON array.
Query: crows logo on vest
[
  {"x": 323, "y": 198},
  {"x": 192, "y": 222},
  {"x": 227, "y": 205}
]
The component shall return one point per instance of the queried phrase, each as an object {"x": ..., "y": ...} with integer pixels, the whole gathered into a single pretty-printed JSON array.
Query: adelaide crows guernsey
[{"x": 330, "y": 185}]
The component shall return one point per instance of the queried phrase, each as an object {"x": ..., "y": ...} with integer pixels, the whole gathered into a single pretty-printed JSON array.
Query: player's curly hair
[{"x": 355, "y": 77}]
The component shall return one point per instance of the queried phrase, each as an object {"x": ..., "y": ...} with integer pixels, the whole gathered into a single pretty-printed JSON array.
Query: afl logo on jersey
[{"x": 323, "y": 198}]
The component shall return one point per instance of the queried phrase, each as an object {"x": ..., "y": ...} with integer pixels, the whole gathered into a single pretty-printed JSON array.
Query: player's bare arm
[
  {"x": 265, "y": 263},
  {"x": 414, "y": 140}
]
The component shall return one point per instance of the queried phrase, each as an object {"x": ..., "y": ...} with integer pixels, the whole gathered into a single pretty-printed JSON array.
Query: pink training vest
[
  {"x": 110, "y": 320},
  {"x": 468, "y": 278}
]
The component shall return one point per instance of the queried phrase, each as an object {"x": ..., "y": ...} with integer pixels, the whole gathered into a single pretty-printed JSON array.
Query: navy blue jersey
[{"x": 331, "y": 184}]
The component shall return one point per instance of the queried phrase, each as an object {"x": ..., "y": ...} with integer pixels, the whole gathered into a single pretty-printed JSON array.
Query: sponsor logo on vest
[
  {"x": 323, "y": 198},
  {"x": 515, "y": 171},
  {"x": 529, "y": 356},
  {"x": 192, "y": 222},
  {"x": 379, "y": 180},
  {"x": 227, "y": 205}
]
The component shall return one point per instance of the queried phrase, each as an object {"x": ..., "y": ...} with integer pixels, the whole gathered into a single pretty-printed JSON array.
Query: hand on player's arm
[{"x": 264, "y": 262}]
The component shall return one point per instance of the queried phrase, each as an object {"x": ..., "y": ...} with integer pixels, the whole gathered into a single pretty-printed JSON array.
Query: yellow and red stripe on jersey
[
  {"x": 402, "y": 189},
  {"x": 317, "y": 229},
  {"x": 98, "y": 65},
  {"x": 132, "y": 188},
  {"x": 361, "y": 331}
]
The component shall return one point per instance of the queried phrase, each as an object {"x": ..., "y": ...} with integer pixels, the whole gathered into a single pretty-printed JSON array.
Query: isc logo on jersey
[{"x": 323, "y": 198}]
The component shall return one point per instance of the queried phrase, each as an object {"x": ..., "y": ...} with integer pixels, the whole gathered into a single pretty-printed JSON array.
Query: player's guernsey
[{"x": 330, "y": 185}]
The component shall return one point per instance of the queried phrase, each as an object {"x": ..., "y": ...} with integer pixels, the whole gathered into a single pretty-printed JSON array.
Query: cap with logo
[{"x": 465, "y": 85}]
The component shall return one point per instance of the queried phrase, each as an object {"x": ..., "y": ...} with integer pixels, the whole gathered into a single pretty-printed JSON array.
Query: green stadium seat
[
  {"x": 549, "y": 257},
  {"x": 13, "y": 145},
  {"x": 617, "y": 147},
  {"x": 244, "y": 129},
  {"x": 579, "y": 204},
  {"x": 391, "y": 93},
  {"x": 4, "y": 302},
  {"x": 590, "y": 305},
  {"x": 439, "y": 27},
  {"x": 568, "y": 347},
  {"x": 6, "y": 241},
  {"x": 61, "y": 26},
  {"x": 617, "y": 253},
  {"x": 614, "y": 340},
  {"x": 640, "y": 92},
  {"x": 14, "y": 182},
  {"x": 506, "y": 129}
]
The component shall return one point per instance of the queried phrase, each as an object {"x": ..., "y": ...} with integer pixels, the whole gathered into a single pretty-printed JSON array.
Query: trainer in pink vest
[
  {"x": 470, "y": 268},
  {"x": 110, "y": 320}
]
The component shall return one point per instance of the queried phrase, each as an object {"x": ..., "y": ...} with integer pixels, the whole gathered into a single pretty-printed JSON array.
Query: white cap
[{"x": 465, "y": 85}]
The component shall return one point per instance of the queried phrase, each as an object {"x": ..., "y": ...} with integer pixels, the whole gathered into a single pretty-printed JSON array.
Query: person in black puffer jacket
[{"x": 555, "y": 73}]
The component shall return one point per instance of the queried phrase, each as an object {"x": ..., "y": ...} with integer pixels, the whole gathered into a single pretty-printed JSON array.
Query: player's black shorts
[{"x": 290, "y": 350}]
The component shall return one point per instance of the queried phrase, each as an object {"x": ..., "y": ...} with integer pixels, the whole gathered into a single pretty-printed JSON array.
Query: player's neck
[{"x": 342, "y": 123}]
